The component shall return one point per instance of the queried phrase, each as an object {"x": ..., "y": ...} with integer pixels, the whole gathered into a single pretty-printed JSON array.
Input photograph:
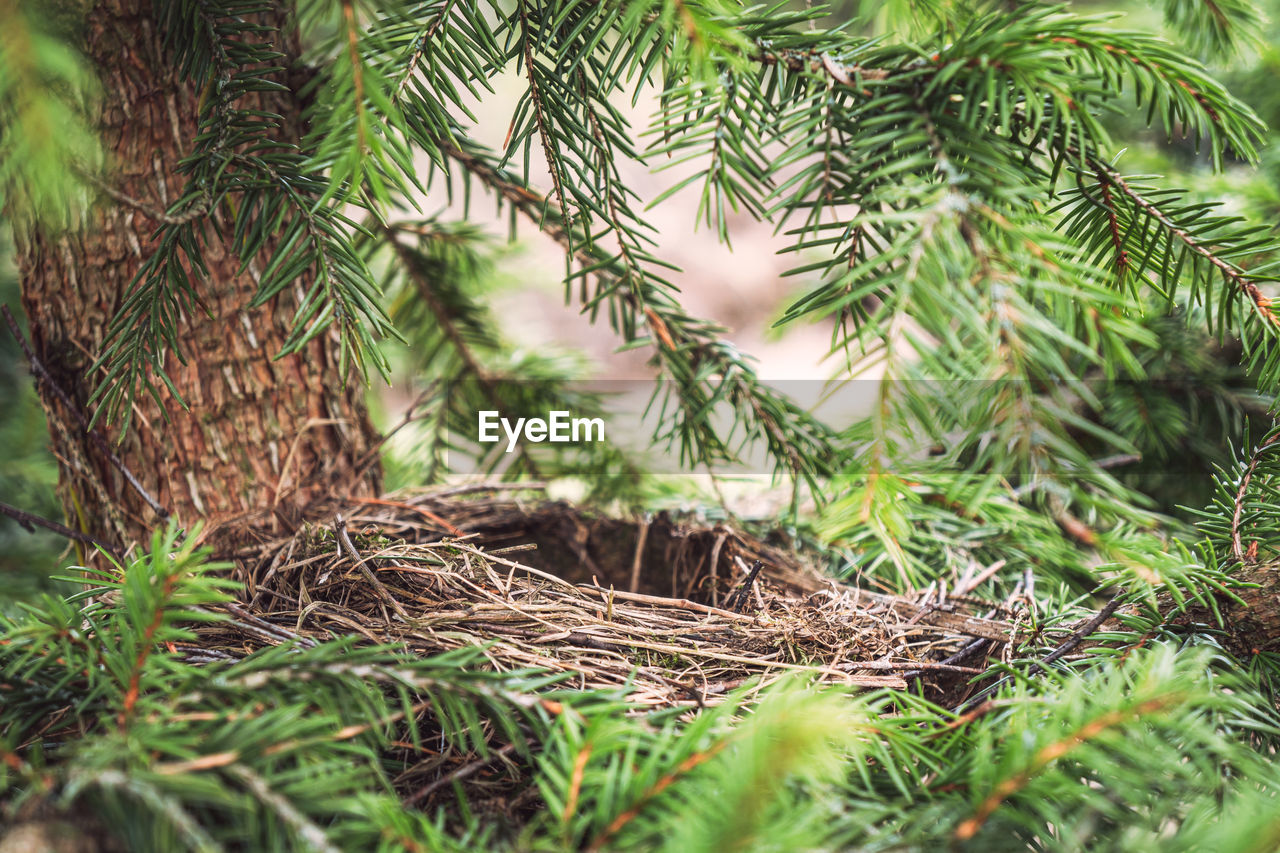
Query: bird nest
[{"x": 661, "y": 606}]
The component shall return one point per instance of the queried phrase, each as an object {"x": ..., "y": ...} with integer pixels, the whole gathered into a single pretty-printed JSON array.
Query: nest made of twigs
[{"x": 611, "y": 602}]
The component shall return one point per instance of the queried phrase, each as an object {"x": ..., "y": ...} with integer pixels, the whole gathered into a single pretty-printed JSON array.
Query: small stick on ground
[
  {"x": 340, "y": 528},
  {"x": 270, "y": 627}
]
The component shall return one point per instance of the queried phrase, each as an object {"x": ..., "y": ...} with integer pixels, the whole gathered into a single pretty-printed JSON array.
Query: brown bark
[{"x": 260, "y": 433}]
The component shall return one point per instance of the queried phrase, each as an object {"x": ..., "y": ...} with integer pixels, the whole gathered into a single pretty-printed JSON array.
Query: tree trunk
[{"x": 260, "y": 433}]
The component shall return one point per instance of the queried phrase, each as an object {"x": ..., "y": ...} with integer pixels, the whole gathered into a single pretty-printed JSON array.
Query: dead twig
[
  {"x": 738, "y": 599},
  {"x": 340, "y": 529},
  {"x": 469, "y": 769},
  {"x": 269, "y": 627},
  {"x": 42, "y": 376},
  {"x": 30, "y": 521},
  {"x": 1077, "y": 636}
]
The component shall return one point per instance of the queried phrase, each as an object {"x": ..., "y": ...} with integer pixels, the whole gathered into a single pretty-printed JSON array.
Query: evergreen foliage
[{"x": 961, "y": 213}]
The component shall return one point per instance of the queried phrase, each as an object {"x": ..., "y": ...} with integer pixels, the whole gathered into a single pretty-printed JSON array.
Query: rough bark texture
[{"x": 260, "y": 433}]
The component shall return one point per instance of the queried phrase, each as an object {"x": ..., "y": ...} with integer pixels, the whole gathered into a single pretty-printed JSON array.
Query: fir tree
[{"x": 213, "y": 207}]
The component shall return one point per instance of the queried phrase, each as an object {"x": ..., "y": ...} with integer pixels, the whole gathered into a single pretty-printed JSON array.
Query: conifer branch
[
  {"x": 1108, "y": 177},
  {"x": 1052, "y": 752},
  {"x": 549, "y": 150},
  {"x": 661, "y": 785},
  {"x": 1246, "y": 556}
]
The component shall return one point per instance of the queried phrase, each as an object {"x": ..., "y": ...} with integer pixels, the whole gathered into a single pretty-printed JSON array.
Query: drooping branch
[
  {"x": 675, "y": 335},
  {"x": 549, "y": 150},
  {"x": 485, "y": 378},
  {"x": 1109, "y": 177}
]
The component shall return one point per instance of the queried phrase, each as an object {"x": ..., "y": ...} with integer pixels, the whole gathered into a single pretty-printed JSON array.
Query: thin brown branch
[
  {"x": 1117, "y": 242},
  {"x": 1047, "y": 755},
  {"x": 274, "y": 632},
  {"x": 340, "y": 530},
  {"x": 1154, "y": 69},
  {"x": 1246, "y": 556},
  {"x": 465, "y": 771},
  {"x": 438, "y": 308},
  {"x": 149, "y": 210},
  {"x": 1238, "y": 277},
  {"x": 544, "y": 136},
  {"x": 419, "y": 48},
  {"x": 425, "y": 513},
  {"x": 30, "y": 521},
  {"x": 966, "y": 718},
  {"x": 816, "y": 62},
  {"x": 611, "y": 205},
  {"x": 911, "y": 668},
  {"x": 42, "y": 376},
  {"x": 488, "y": 382},
  {"x": 671, "y": 332},
  {"x": 371, "y": 455},
  {"x": 637, "y": 559}
]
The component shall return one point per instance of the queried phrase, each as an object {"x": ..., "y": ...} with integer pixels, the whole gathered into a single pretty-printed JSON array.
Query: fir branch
[
  {"x": 1242, "y": 555},
  {"x": 419, "y": 48},
  {"x": 817, "y": 62},
  {"x": 438, "y": 310},
  {"x": 549, "y": 151},
  {"x": 684, "y": 767},
  {"x": 681, "y": 342},
  {"x": 1117, "y": 242},
  {"x": 1109, "y": 177},
  {"x": 145, "y": 645},
  {"x": 1052, "y": 752}
]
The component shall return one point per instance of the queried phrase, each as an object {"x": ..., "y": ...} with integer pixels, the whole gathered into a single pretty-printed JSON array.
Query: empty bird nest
[{"x": 658, "y": 605}]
